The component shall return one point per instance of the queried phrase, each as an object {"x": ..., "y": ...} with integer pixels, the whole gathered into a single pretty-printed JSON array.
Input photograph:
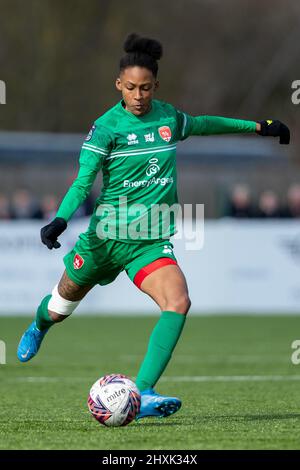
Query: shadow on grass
[
  {"x": 197, "y": 420},
  {"x": 159, "y": 422},
  {"x": 258, "y": 417},
  {"x": 272, "y": 416}
]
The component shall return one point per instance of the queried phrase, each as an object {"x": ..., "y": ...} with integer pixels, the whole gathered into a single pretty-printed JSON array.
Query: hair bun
[{"x": 136, "y": 43}]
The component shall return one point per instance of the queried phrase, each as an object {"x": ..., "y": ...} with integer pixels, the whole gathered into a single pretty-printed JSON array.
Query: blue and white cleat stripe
[
  {"x": 30, "y": 343},
  {"x": 153, "y": 404}
]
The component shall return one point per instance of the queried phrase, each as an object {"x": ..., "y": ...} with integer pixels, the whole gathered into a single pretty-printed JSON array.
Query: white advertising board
[{"x": 244, "y": 267}]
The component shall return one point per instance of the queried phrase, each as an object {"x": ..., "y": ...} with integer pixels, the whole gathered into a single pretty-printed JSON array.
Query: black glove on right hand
[
  {"x": 50, "y": 232},
  {"x": 275, "y": 129}
]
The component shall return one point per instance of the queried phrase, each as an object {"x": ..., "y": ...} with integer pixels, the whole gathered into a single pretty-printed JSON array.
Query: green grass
[{"x": 43, "y": 402}]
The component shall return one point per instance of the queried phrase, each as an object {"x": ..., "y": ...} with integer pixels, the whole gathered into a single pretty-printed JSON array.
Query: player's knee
[
  {"x": 180, "y": 304},
  {"x": 59, "y": 308}
]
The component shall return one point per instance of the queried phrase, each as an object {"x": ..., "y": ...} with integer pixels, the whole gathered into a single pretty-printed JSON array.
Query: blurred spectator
[
  {"x": 293, "y": 202},
  {"x": 5, "y": 212},
  {"x": 268, "y": 205},
  {"x": 240, "y": 202},
  {"x": 49, "y": 206},
  {"x": 86, "y": 208},
  {"x": 24, "y": 206}
]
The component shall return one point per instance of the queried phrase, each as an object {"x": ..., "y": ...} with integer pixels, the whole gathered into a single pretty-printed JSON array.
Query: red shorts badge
[
  {"x": 165, "y": 133},
  {"x": 78, "y": 261}
]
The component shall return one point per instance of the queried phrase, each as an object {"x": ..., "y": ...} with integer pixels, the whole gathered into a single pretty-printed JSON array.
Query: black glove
[
  {"x": 50, "y": 232},
  {"x": 275, "y": 129}
]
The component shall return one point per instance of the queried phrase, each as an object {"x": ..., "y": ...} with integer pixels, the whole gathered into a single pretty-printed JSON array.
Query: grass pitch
[{"x": 234, "y": 375}]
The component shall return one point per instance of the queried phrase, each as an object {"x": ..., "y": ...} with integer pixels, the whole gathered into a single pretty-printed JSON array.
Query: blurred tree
[{"x": 60, "y": 59}]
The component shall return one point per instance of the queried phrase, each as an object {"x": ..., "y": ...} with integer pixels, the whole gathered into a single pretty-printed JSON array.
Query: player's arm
[
  {"x": 90, "y": 161},
  {"x": 73, "y": 199},
  {"x": 77, "y": 193},
  {"x": 214, "y": 125}
]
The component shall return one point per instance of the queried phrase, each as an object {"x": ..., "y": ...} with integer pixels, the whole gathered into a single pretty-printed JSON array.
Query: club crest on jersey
[
  {"x": 165, "y": 133},
  {"x": 90, "y": 134},
  {"x": 78, "y": 261}
]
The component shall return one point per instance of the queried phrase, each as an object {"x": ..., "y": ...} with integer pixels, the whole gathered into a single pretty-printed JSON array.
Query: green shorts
[{"x": 99, "y": 261}]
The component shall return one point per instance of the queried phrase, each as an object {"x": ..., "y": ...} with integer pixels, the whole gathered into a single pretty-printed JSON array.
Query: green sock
[
  {"x": 43, "y": 320},
  {"x": 162, "y": 342}
]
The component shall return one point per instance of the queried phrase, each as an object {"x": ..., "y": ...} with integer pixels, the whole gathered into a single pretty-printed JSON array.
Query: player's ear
[
  {"x": 156, "y": 85},
  {"x": 118, "y": 84}
]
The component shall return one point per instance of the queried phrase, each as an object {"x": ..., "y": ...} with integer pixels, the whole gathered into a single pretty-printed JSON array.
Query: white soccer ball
[{"x": 114, "y": 400}]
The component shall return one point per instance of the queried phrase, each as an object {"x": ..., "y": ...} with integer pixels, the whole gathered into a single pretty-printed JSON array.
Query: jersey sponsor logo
[
  {"x": 147, "y": 183},
  {"x": 153, "y": 168},
  {"x": 149, "y": 137},
  {"x": 78, "y": 261},
  {"x": 90, "y": 134},
  {"x": 165, "y": 133},
  {"x": 132, "y": 139}
]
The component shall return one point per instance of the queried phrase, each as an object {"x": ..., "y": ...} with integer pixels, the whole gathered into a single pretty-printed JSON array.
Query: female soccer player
[{"x": 134, "y": 144}]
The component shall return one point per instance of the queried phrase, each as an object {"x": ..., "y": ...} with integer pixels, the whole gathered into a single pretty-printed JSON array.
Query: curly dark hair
[{"x": 141, "y": 51}]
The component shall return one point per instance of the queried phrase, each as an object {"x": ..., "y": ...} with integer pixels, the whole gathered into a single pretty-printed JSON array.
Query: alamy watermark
[
  {"x": 296, "y": 94},
  {"x": 2, "y": 352},
  {"x": 295, "y": 357},
  {"x": 137, "y": 222},
  {"x": 2, "y": 92}
]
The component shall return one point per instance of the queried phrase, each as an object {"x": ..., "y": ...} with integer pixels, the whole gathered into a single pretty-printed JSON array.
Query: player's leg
[
  {"x": 65, "y": 297},
  {"x": 87, "y": 264},
  {"x": 80, "y": 276},
  {"x": 54, "y": 308},
  {"x": 167, "y": 287}
]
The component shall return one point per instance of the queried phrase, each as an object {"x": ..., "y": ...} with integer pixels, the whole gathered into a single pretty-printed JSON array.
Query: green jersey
[{"x": 137, "y": 157}]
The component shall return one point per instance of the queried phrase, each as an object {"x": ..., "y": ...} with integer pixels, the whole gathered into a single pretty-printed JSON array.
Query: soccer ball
[{"x": 114, "y": 400}]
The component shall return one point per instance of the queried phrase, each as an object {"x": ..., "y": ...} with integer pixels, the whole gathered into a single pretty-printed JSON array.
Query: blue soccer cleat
[
  {"x": 30, "y": 343},
  {"x": 153, "y": 404}
]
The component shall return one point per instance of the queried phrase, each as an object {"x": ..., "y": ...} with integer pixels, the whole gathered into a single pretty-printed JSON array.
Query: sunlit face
[{"x": 137, "y": 85}]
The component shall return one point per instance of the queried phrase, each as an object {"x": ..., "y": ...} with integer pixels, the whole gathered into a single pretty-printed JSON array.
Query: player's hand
[
  {"x": 50, "y": 232},
  {"x": 275, "y": 129}
]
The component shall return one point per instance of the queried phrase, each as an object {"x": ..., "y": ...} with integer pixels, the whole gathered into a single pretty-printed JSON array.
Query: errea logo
[{"x": 132, "y": 139}]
